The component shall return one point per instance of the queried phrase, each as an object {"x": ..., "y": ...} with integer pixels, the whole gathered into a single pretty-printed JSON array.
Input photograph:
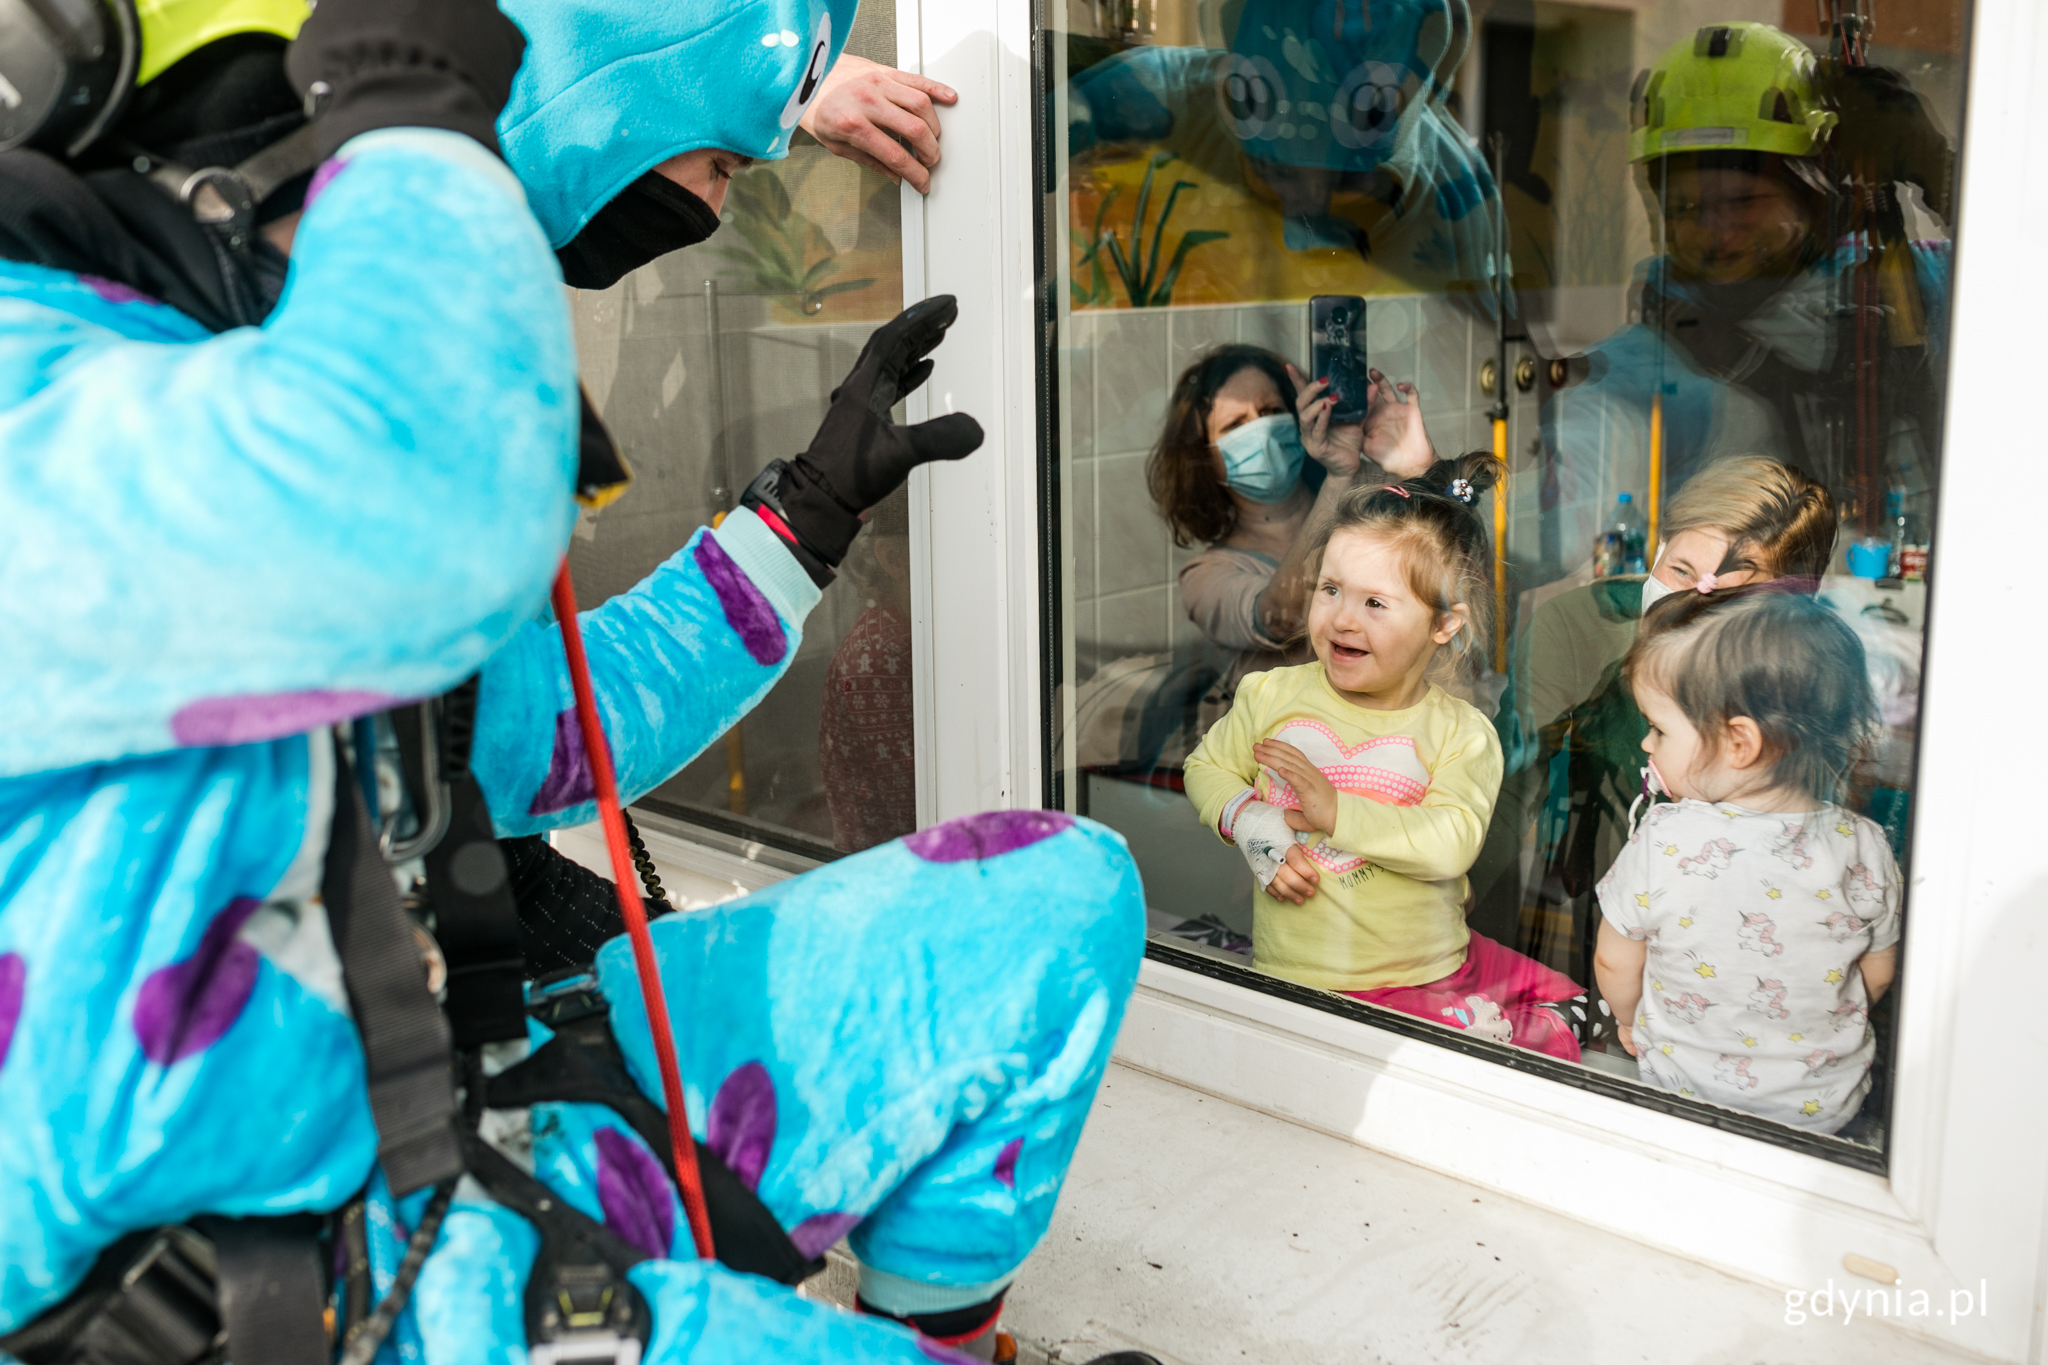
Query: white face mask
[{"x": 1654, "y": 588}]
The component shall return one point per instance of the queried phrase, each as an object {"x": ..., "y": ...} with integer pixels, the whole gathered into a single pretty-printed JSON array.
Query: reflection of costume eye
[
  {"x": 1368, "y": 105},
  {"x": 1251, "y": 92}
]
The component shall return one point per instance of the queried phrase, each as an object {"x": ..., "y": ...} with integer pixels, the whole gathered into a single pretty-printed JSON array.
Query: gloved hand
[
  {"x": 860, "y": 456},
  {"x": 366, "y": 64}
]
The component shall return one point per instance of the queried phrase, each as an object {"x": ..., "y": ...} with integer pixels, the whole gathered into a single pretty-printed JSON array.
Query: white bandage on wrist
[{"x": 1263, "y": 835}]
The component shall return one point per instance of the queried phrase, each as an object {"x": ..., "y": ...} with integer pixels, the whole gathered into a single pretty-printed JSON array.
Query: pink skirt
[{"x": 1497, "y": 994}]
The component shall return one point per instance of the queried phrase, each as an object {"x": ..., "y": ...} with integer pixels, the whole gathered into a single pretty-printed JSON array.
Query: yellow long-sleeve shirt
[{"x": 1415, "y": 788}]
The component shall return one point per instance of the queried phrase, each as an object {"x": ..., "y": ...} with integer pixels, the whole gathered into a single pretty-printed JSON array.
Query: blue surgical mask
[{"x": 1262, "y": 459}]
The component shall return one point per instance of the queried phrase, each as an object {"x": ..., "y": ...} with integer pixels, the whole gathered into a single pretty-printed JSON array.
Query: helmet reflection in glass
[{"x": 1727, "y": 125}]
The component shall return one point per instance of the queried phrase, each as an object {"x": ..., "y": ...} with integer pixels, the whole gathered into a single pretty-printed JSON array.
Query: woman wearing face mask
[{"x": 1249, "y": 465}]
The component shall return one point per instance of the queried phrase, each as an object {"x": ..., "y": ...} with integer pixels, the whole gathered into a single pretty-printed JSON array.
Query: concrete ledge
[{"x": 1206, "y": 1234}]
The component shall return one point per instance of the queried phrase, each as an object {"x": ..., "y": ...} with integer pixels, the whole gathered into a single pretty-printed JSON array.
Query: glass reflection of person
[
  {"x": 1334, "y": 111},
  {"x": 1779, "y": 185},
  {"x": 866, "y": 734},
  {"x": 1243, "y": 426},
  {"x": 1751, "y": 923}
]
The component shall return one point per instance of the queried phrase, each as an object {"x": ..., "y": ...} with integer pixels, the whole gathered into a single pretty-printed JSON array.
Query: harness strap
[
  {"x": 580, "y": 1307},
  {"x": 405, "y": 1038},
  {"x": 271, "y": 1288},
  {"x": 582, "y": 1065},
  {"x": 468, "y": 881}
]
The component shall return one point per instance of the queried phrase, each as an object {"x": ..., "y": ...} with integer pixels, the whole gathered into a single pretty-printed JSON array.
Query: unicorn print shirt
[
  {"x": 1755, "y": 923},
  {"x": 1415, "y": 787}
]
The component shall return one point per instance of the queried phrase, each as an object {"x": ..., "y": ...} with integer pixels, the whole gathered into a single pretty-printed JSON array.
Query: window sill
[
  {"x": 1653, "y": 1199},
  {"x": 1763, "y": 1213},
  {"x": 1202, "y": 1231}
]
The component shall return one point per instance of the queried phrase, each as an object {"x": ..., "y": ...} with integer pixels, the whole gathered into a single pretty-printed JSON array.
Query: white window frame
[{"x": 1963, "y": 1204}]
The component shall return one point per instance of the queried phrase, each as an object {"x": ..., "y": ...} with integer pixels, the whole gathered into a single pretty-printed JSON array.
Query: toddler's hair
[
  {"x": 1779, "y": 522},
  {"x": 1770, "y": 652},
  {"x": 1440, "y": 537}
]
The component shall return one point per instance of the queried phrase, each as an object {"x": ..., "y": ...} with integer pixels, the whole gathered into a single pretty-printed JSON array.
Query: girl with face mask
[{"x": 1249, "y": 466}]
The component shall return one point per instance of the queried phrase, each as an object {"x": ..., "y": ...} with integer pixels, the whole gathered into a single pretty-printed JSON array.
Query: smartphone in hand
[{"x": 1337, "y": 352}]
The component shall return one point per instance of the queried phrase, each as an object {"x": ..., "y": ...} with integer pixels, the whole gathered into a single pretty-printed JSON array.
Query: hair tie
[
  {"x": 1706, "y": 583},
  {"x": 1395, "y": 488},
  {"x": 1462, "y": 490}
]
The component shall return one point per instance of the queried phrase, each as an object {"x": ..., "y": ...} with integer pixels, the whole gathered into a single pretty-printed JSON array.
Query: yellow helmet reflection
[{"x": 1736, "y": 87}]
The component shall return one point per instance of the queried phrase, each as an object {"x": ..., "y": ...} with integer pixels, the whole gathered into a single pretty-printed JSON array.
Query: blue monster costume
[
  {"x": 1312, "y": 96},
  {"x": 220, "y": 546}
]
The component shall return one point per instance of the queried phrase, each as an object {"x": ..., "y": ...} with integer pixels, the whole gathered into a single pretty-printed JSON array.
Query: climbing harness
[{"x": 297, "y": 1290}]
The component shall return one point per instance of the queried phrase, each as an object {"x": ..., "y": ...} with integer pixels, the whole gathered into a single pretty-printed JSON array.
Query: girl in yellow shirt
[{"x": 1359, "y": 790}]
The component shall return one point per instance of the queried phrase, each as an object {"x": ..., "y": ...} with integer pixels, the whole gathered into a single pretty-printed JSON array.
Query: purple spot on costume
[
  {"x": 746, "y": 610},
  {"x": 741, "y": 1125},
  {"x": 186, "y": 1007},
  {"x": 1006, "y": 1162},
  {"x": 821, "y": 1230},
  {"x": 986, "y": 835},
  {"x": 569, "y": 781},
  {"x": 944, "y": 1354},
  {"x": 247, "y": 720},
  {"x": 113, "y": 291},
  {"x": 13, "y": 979},
  {"x": 321, "y": 179},
  {"x": 633, "y": 1191}
]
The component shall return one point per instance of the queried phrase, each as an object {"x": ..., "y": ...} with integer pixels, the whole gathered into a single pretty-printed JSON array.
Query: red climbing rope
[{"x": 600, "y": 756}]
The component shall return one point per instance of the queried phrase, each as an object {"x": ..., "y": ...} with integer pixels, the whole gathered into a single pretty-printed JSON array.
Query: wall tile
[
  {"x": 1079, "y": 400},
  {"x": 1280, "y": 327},
  {"x": 1390, "y": 337},
  {"x": 1133, "y": 623},
  {"x": 1081, "y": 483},
  {"x": 1131, "y": 377},
  {"x": 1132, "y": 544},
  {"x": 1086, "y": 639},
  {"x": 1194, "y": 331},
  {"x": 1443, "y": 356}
]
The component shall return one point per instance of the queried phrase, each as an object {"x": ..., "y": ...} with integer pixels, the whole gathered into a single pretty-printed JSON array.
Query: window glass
[
  {"x": 710, "y": 362},
  {"x": 1561, "y": 655}
]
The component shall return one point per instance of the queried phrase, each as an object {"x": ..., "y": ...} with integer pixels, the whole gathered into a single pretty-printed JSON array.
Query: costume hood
[{"x": 612, "y": 88}]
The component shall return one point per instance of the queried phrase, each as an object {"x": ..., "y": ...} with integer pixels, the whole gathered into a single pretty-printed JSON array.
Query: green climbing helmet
[
  {"x": 1737, "y": 87},
  {"x": 174, "y": 29}
]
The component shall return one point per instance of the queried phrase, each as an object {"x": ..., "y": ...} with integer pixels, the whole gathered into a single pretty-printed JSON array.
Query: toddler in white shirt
[{"x": 1749, "y": 925}]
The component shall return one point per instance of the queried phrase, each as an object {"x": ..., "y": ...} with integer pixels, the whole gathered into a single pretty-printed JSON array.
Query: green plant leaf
[
  {"x": 1188, "y": 242},
  {"x": 1159, "y": 231},
  {"x": 1123, "y": 269},
  {"x": 1144, "y": 202},
  {"x": 842, "y": 287}
]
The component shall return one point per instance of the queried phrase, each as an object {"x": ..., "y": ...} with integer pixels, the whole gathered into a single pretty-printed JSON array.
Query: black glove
[
  {"x": 366, "y": 64},
  {"x": 859, "y": 456}
]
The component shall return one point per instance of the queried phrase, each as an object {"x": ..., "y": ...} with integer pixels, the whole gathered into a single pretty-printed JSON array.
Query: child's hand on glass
[
  {"x": 1625, "y": 1034},
  {"x": 1318, "y": 797},
  {"x": 1297, "y": 878}
]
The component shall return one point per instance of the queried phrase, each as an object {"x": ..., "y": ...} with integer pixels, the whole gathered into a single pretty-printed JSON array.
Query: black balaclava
[{"x": 651, "y": 217}]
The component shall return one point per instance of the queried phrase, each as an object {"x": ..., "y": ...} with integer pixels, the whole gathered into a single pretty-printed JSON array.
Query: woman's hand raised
[
  {"x": 1393, "y": 436},
  {"x": 1390, "y": 436}
]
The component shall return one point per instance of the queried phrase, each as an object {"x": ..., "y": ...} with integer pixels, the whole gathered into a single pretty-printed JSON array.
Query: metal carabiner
[{"x": 432, "y": 804}]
